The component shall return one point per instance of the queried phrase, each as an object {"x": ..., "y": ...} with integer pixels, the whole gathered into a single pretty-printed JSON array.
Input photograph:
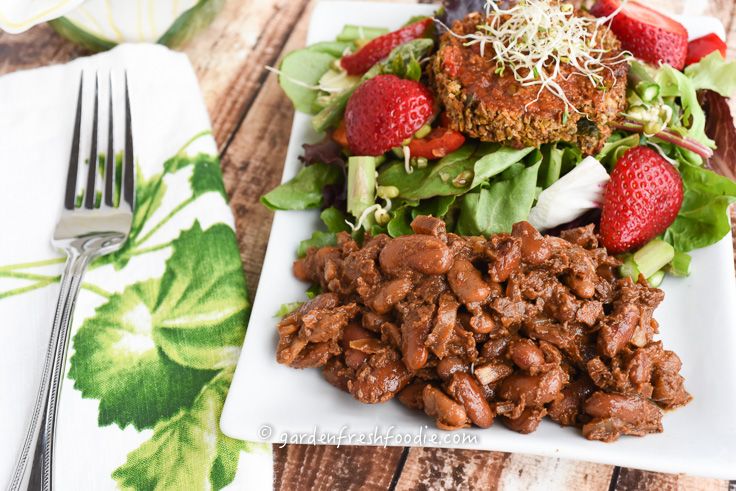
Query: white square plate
[{"x": 275, "y": 403}]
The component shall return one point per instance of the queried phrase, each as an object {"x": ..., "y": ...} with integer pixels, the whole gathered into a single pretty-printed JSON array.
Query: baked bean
[
  {"x": 627, "y": 408},
  {"x": 465, "y": 389},
  {"x": 447, "y": 366},
  {"x": 495, "y": 347},
  {"x": 411, "y": 395},
  {"x": 565, "y": 411},
  {"x": 497, "y": 289},
  {"x": 534, "y": 248},
  {"x": 412, "y": 345},
  {"x": 354, "y": 332},
  {"x": 616, "y": 332},
  {"x": 335, "y": 372},
  {"x": 448, "y": 414},
  {"x": 526, "y": 423},
  {"x": 532, "y": 390},
  {"x": 421, "y": 253},
  {"x": 467, "y": 282},
  {"x": 414, "y": 332},
  {"x": 526, "y": 355},
  {"x": 379, "y": 384},
  {"x": 581, "y": 287},
  {"x": 481, "y": 322},
  {"x": 392, "y": 293}
]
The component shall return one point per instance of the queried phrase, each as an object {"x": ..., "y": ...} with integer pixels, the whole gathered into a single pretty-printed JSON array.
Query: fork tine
[
  {"x": 109, "y": 195},
  {"x": 89, "y": 192},
  {"x": 71, "y": 179},
  {"x": 128, "y": 182}
]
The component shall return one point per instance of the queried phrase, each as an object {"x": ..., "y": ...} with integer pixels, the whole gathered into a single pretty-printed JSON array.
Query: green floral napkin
[{"x": 158, "y": 326}]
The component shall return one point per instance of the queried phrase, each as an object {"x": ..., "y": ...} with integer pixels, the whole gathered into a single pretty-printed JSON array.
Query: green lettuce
[
  {"x": 481, "y": 160},
  {"x": 714, "y": 73},
  {"x": 496, "y": 207},
  {"x": 703, "y": 217},
  {"x": 304, "y": 191}
]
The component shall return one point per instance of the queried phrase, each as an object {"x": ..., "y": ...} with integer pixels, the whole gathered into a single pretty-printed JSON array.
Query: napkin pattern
[{"x": 156, "y": 334}]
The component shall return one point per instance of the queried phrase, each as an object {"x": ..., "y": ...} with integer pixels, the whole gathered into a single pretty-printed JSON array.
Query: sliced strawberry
[
  {"x": 438, "y": 143},
  {"x": 377, "y": 49},
  {"x": 642, "y": 199},
  {"x": 702, "y": 47},
  {"x": 383, "y": 112},
  {"x": 649, "y": 35}
]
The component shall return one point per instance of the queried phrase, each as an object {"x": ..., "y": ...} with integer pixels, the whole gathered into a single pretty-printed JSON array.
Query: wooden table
[{"x": 251, "y": 120}]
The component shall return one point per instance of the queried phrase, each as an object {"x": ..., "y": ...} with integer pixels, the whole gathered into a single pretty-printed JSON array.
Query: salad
[{"x": 603, "y": 121}]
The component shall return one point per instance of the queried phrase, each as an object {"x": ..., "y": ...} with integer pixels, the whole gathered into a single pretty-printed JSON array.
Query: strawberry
[
  {"x": 642, "y": 199},
  {"x": 383, "y": 112},
  {"x": 377, "y": 49},
  {"x": 649, "y": 35}
]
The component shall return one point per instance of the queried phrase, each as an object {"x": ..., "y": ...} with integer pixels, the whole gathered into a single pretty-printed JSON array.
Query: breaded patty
[{"x": 496, "y": 107}]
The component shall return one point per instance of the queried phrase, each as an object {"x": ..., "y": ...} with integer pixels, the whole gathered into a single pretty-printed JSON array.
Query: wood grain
[
  {"x": 632, "y": 480},
  {"x": 39, "y": 46},
  {"x": 301, "y": 467},
  {"x": 251, "y": 120},
  {"x": 433, "y": 468}
]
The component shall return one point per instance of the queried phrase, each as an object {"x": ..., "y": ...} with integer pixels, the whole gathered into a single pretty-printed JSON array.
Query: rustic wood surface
[{"x": 251, "y": 120}]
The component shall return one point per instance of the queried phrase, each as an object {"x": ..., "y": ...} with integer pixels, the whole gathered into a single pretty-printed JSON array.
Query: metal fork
[{"x": 83, "y": 232}]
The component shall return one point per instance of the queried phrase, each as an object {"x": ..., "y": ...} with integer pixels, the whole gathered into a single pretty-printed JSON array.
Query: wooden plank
[
  {"x": 432, "y": 468},
  {"x": 442, "y": 468},
  {"x": 39, "y": 46},
  {"x": 254, "y": 160},
  {"x": 229, "y": 58},
  {"x": 307, "y": 467},
  {"x": 634, "y": 479},
  {"x": 535, "y": 473}
]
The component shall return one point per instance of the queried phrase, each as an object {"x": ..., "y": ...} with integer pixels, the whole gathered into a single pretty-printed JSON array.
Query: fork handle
[{"x": 34, "y": 468}]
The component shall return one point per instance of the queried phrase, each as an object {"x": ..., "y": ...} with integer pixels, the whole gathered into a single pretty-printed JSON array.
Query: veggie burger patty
[{"x": 486, "y": 103}]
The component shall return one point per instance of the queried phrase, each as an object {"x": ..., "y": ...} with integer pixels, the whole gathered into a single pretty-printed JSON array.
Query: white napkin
[{"x": 157, "y": 329}]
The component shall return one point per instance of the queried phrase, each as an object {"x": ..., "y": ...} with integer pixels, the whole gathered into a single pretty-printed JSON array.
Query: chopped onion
[{"x": 578, "y": 191}]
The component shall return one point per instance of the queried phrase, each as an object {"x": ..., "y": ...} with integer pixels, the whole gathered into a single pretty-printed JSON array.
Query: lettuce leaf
[
  {"x": 484, "y": 160},
  {"x": 714, "y": 73},
  {"x": 496, "y": 207},
  {"x": 304, "y": 191},
  {"x": 673, "y": 83},
  {"x": 720, "y": 127},
  {"x": 703, "y": 217}
]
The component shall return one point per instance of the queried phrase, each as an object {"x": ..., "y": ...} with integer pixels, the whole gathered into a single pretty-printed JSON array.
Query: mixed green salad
[{"x": 483, "y": 188}]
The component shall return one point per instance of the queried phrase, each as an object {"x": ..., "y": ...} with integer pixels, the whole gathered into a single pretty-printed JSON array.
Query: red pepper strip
[
  {"x": 340, "y": 136},
  {"x": 437, "y": 144},
  {"x": 701, "y": 47},
  {"x": 377, "y": 49}
]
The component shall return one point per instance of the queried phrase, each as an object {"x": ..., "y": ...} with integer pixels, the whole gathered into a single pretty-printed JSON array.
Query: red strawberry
[
  {"x": 642, "y": 199},
  {"x": 649, "y": 35},
  {"x": 377, "y": 49},
  {"x": 383, "y": 112}
]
